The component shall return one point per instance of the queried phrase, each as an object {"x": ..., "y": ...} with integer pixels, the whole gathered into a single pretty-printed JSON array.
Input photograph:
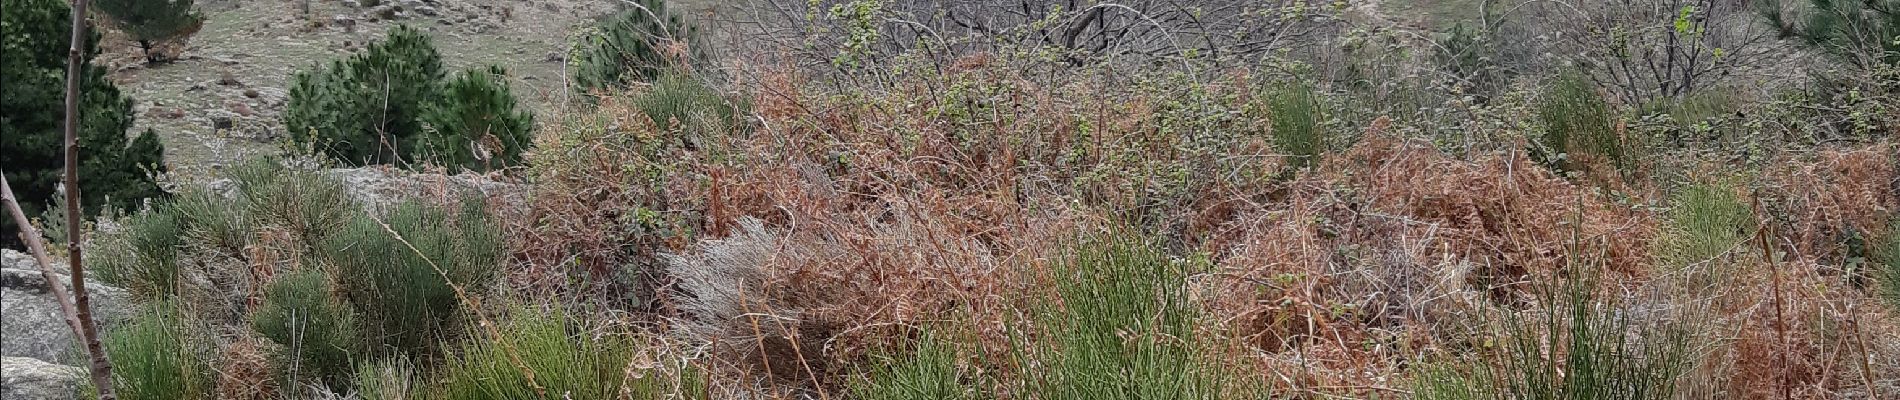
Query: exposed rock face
[
  {"x": 381, "y": 187},
  {"x": 23, "y": 378},
  {"x": 31, "y": 323}
]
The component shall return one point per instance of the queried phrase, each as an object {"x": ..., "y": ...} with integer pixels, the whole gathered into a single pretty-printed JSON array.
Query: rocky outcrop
[
  {"x": 380, "y": 187},
  {"x": 23, "y": 378},
  {"x": 31, "y": 323}
]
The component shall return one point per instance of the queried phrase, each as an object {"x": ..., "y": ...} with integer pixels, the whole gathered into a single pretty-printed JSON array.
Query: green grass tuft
[
  {"x": 403, "y": 301},
  {"x": 154, "y": 358},
  {"x": 302, "y": 313}
]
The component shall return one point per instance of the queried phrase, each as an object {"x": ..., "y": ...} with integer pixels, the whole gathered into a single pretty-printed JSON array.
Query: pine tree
[
  {"x": 366, "y": 110},
  {"x": 474, "y": 123},
  {"x": 150, "y": 22},
  {"x": 635, "y": 45},
  {"x": 1863, "y": 33},
  {"x": 33, "y": 46}
]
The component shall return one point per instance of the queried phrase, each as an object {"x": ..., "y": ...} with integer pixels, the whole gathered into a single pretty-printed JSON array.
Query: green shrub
[
  {"x": 475, "y": 124},
  {"x": 564, "y": 364},
  {"x": 302, "y": 313},
  {"x": 930, "y": 372},
  {"x": 308, "y": 203},
  {"x": 1860, "y": 33},
  {"x": 366, "y": 109},
  {"x": 154, "y": 358},
  {"x": 150, "y": 22},
  {"x": 683, "y": 105},
  {"x": 211, "y": 220},
  {"x": 1583, "y": 348},
  {"x": 1295, "y": 114},
  {"x": 148, "y": 262},
  {"x": 1577, "y": 121},
  {"x": 1888, "y": 267},
  {"x": 1706, "y": 221},
  {"x": 389, "y": 379},
  {"x": 1123, "y": 330},
  {"x": 633, "y": 45},
  {"x": 403, "y": 301},
  {"x": 115, "y": 169}
]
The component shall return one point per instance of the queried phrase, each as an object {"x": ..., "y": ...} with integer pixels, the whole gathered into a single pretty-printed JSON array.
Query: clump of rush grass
[
  {"x": 1585, "y": 347},
  {"x": 928, "y": 372},
  {"x": 1887, "y": 269},
  {"x": 1125, "y": 328},
  {"x": 391, "y": 378},
  {"x": 143, "y": 256},
  {"x": 1706, "y": 221},
  {"x": 154, "y": 357},
  {"x": 301, "y": 313},
  {"x": 1295, "y": 114},
  {"x": 566, "y": 365},
  {"x": 406, "y": 295},
  {"x": 1578, "y": 124}
]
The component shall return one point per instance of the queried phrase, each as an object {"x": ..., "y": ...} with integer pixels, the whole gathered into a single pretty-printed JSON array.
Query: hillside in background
[{"x": 939, "y": 199}]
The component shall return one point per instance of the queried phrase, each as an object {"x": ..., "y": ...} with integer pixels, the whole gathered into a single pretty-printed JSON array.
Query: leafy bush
[
  {"x": 213, "y": 221},
  {"x": 147, "y": 263},
  {"x": 115, "y": 170},
  {"x": 475, "y": 124},
  {"x": 1577, "y": 124},
  {"x": 403, "y": 300},
  {"x": 302, "y": 313},
  {"x": 366, "y": 109},
  {"x": 1295, "y": 113},
  {"x": 565, "y": 365},
  {"x": 150, "y": 22},
  {"x": 154, "y": 358},
  {"x": 636, "y": 44}
]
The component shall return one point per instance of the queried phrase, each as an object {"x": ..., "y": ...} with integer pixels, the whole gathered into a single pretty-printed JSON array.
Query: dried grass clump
[
  {"x": 246, "y": 370},
  {"x": 1832, "y": 206},
  {"x": 1499, "y": 213}
]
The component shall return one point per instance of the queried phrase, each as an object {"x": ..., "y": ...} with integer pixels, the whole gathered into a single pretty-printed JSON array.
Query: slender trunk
[
  {"x": 89, "y": 330},
  {"x": 37, "y": 247},
  {"x": 145, "y": 46}
]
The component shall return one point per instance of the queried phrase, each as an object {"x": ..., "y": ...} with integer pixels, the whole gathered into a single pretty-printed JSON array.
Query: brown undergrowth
[{"x": 836, "y": 224}]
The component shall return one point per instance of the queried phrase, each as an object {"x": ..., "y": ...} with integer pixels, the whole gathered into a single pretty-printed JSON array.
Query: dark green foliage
[
  {"x": 475, "y": 123},
  {"x": 403, "y": 300},
  {"x": 567, "y": 365},
  {"x": 366, "y": 109},
  {"x": 1858, "y": 32},
  {"x": 634, "y": 46},
  {"x": 151, "y": 21},
  {"x": 213, "y": 221},
  {"x": 154, "y": 358},
  {"x": 148, "y": 262},
  {"x": 115, "y": 170},
  {"x": 1295, "y": 113},
  {"x": 302, "y": 313},
  {"x": 1577, "y": 122}
]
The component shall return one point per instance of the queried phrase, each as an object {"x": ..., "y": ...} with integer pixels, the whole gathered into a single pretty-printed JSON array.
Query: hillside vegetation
[{"x": 1046, "y": 200}]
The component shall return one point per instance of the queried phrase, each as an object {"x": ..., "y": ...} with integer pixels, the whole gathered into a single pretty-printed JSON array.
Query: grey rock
[
  {"x": 380, "y": 188},
  {"x": 426, "y": 10},
  {"x": 23, "y": 378},
  {"x": 32, "y": 324},
  {"x": 14, "y": 259}
]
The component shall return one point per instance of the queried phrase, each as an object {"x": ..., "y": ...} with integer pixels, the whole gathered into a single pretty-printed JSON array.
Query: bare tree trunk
[{"x": 82, "y": 303}]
